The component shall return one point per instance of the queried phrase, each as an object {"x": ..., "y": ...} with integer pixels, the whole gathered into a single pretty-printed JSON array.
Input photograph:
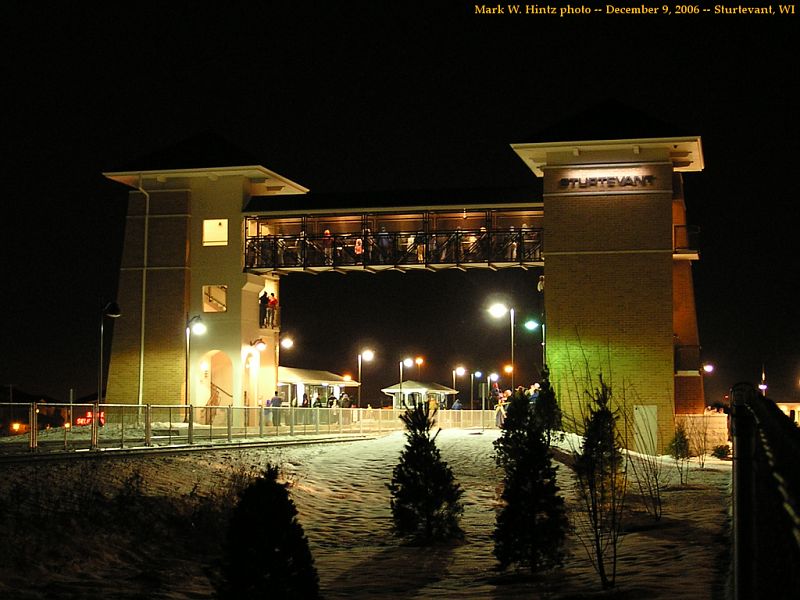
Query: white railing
[{"x": 68, "y": 427}]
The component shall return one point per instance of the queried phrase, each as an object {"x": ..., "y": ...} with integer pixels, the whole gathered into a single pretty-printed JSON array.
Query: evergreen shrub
[
  {"x": 426, "y": 499},
  {"x": 267, "y": 553},
  {"x": 531, "y": 525}
]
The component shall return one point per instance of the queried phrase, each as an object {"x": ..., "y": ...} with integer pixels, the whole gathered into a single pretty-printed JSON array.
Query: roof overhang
[
  {"x": 398, "y": 210},
  {"x": 686, "y": 153},
  {"x": 293, "y": 375},
  {"x": 265, "y": 182},
  {"x": 417, "y": 387}
]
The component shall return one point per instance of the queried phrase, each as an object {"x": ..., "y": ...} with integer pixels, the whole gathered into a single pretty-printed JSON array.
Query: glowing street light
[
  {"x": 458, "y": 371},
  {"x": 498, "y": 311},
  {"x": 419, "y": 360},
  {"x": 259, "y": 344},
  {"x": 364, "y": 355},
  {"x": 194, "y": 326},
  {"x": 407, "y": 362},
  {"x": 110, "y": 310},
  {"x": 531, "y": 325},
  {"x": 708, "y": 368},
  {"x": 472, "y": 377},
  {"x": 285, "y": 343}
]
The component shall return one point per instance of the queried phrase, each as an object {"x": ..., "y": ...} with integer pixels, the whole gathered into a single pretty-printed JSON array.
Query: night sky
[{"x": 351, "y": 96}]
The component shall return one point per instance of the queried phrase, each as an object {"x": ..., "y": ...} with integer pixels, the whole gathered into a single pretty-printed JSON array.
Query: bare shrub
[
  {"x": 698, "y": 432},
  {"x": 600, "y": 471},
  {"x": 647, "y": 467}
]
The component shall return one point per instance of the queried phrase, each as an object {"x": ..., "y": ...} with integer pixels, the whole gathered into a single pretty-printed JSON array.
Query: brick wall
[
  {"x": 689, "y": 396},
  {"x": 608, "y": 297},
  {"x": 167, "y": 284}
]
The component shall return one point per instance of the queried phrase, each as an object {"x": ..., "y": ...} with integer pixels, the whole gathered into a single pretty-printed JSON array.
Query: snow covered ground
[{"x": 343, "y": 503}]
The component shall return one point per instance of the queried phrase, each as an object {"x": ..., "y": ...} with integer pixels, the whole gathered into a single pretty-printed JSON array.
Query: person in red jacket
[{"x": 272, "y": 309}]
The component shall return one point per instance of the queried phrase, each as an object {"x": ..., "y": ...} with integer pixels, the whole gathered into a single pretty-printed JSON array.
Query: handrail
[
  {"x": 766, "y": 497},
  {"x": 212, "y": 299},
  {"x": 397, "y": 248},
  {"x": 214, "y": 386}
]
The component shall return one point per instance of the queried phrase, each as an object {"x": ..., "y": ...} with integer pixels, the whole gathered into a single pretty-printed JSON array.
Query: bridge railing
[
  {"x": 766, "y": 497},
  {"x": 398, "y": 249},
  {"x": 45, "y": 427}
]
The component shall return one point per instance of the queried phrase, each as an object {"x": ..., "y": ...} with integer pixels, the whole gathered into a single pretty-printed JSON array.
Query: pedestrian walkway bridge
[
  {"x": 431, "y": 230},
  {"x": 279, "y": 239}
]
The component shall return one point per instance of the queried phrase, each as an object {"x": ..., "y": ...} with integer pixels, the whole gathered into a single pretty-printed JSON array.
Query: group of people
[
  {"x": 272, "y": 408},
  {"x": 268, "y": 304},
  {"x": 385, "y": 247},
  {"x": 317, "y": 401},
  {"x": 501, "y": 400}
]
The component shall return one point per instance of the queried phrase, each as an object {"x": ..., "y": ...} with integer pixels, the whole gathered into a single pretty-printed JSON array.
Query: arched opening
[{"x": 216, "y": 387}]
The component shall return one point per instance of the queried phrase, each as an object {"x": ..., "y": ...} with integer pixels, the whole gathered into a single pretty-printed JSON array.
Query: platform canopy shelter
[
  {"x": 409, "y": 392},
  {"x": 311, "y": 382}
]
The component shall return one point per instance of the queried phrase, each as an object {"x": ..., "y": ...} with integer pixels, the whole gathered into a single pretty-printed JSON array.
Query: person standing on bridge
[{"x": 327, "y": 246}]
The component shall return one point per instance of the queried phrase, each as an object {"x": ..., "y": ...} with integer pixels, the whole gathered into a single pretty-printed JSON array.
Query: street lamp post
[
  {"x": 407, "y": 362},
  {"x": 489, "y": 378},
  {"x": 497, "y": 311},
  {"x": 457, "y": 371},
  {"x": 112, "y": 311},
  {"x": 419, "y": 360},
  {"x": 472, "y": 377},
  {"x": 366, "y": 355},
  {"x": 284, "y": 343},
  {"x": 530, "y": 325},
  {"x": 540, "y": 288},
  {"x": 195, "y": 326}
]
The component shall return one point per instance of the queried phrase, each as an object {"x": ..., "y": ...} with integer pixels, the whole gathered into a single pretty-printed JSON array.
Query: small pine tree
[
  {"x": 680, "y": 450},
  {"x": 267, "y": 553},
  {"x": 547, "y": 411},
  {"x": 532, "y": 525},
  {"x": 426, "y": 500}
]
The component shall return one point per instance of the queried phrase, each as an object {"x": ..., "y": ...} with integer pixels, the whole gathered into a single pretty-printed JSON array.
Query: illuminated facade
[
  {"x": 209, "y": 241},
  {"x": 619, "y": 297}
]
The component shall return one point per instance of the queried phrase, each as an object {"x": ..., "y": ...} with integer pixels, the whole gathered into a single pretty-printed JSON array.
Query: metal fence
[
  {"x": 399, "y": 249},
  {"x": 766, "y": 498},
  {"x": 69, "y": 427}
]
